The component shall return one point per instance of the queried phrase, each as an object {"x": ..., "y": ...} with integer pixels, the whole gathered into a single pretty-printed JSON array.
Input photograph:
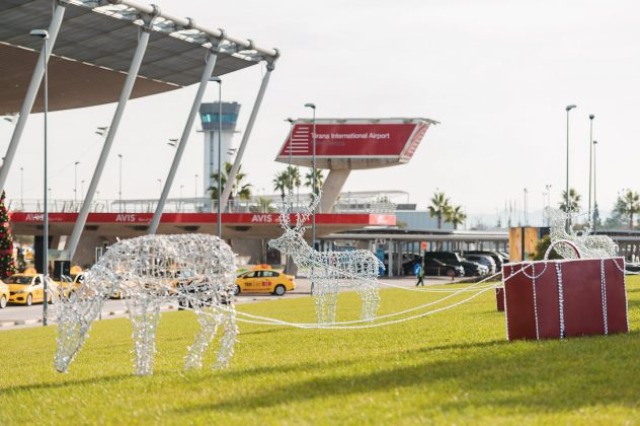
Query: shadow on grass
[
  {"x": 552, "y": 375},
  {"x": 104, "y": 380}
]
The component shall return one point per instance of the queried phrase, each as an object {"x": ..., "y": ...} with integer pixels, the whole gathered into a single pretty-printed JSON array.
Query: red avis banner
[{"x": 398, "y": 140}]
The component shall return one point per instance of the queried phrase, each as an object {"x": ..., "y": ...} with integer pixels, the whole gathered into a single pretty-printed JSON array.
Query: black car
[
  {"x": 474, "y": 269},
  {"x": 436, "y": 267}
]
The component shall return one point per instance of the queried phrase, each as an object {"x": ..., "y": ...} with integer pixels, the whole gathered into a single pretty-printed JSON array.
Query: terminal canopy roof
[{"x": 95, "y": 46}]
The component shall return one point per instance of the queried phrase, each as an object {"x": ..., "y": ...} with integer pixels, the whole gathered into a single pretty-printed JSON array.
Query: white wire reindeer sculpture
[
  {"x": 196, "y": 270},
  {"x": 590, "y": 246},
  {"x": 330, "y": 270}
]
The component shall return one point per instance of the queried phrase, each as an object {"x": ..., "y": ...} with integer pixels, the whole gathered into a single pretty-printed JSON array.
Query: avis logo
[
  {"x": 261, "y": 218},
  {"x": 35, "y": 217},
  {"x": 125, "y": 218}
]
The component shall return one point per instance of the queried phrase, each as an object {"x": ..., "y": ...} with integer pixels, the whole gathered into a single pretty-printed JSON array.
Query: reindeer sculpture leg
[
  {"x": 144, "y": 312},
  {"x": 368, "y": 292},
  {"x": 209, "y": 322},
  {"x": 227, "y": 315},
  {"x": 75, "y": 316}
]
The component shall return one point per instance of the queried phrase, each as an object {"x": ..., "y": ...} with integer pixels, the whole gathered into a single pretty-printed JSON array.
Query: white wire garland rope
[{"x": 479, "y": 288}]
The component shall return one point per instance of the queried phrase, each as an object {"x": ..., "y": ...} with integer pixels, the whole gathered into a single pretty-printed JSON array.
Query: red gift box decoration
[{"x": 562, "y": 298}]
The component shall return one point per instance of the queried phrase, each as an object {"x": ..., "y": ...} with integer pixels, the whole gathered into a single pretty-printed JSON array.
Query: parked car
[
  {"x": 264, "y": 281},
  {"x": 436, "y": 267},
  {"x": 483, "y": 259},
  {"x": 4, "y": 295},
  {"x": 70, "y": 283},
  {"x": 28, "y": 289},
  {"x": 497, "y": 257},
  {"x": 474, "y": 269}
]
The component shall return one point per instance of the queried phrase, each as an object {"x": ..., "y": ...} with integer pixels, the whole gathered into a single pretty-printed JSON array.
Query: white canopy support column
[
  {"x": 331, "y": 188},
  {"x": 254, "y": 113},
  {"x": 134, "y": 68},
  {"x": 32, "y": 92},
  {"x": 206, "y": 74}
]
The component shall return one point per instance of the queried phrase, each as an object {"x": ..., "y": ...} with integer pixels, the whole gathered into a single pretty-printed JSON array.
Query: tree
[
  {"x": 281, "y": 183},
  {"x": 7, "y": 264},
  {"x": 286, "y": 180},
  {"x": 295, "y": 180},
  {"x": 439, "y": 207},
  {"x": 628, "y": 204},
  {"x": 455, "y": 216},
  {"x": 264, "y": 206},
  {"x": 308, "y": 180},
  {"x": 574, "y": 201},
  {"x": 239, "y": 189},
  {"x": 541, "y": 248}
]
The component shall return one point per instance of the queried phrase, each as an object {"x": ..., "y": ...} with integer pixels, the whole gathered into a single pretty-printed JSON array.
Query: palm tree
[
  {"x": 574, "y": 201},
  {"x": 282, "y": 183},
  {"x": 628, "y": 204},
  {"x": 239, "y": 190},
  {"x": 308, "y": 180},
  {"x": 294, "y": 177},
  {"x": 455, "y": 216},
  {"x": 264, "y": 205},
  {"x": 439, "y": 207}
]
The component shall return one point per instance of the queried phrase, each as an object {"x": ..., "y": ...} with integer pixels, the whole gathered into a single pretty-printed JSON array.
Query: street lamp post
[
  {"x": 548, "y": 205},
  {"x": 595, "y": 200},
  {"x": 219, "y": 183},
  {"x": 591, "y": 117},
  {"x": 314, "y": 174},
  {"x": 75, "y": 182},
  {"x": 120, "y": 181},
  {"x": 21, "y": 187},
  {"x": 195, "y": 193},
  {"x": 526, "y": 209},
  {"x": 568, "y": 108},
  {"x": 44, "y": 35}
]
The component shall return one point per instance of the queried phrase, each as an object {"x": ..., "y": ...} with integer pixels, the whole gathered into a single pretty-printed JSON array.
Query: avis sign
[{"x": 262, "y": 218}]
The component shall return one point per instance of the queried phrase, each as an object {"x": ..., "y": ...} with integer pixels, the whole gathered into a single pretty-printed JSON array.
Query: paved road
[{"x": 19, "y": 316}]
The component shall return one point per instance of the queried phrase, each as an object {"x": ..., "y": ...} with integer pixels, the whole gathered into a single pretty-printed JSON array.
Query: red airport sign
[{"x": 362, "y": 143}]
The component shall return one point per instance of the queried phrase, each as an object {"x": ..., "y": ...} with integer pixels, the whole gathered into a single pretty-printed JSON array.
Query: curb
[{"x": 30, "y": 322}]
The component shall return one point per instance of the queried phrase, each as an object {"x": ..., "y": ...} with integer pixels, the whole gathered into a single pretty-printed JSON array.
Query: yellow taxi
[
  {"x": 28, "y": 289},
  {"x": 4, "y": 295},
  {"x": 68, "y": 284},
  {"x": 264, "y": 280}
]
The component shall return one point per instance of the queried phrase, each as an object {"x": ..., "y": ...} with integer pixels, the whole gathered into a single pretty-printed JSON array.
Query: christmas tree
[{"x": 7, "y": 265}]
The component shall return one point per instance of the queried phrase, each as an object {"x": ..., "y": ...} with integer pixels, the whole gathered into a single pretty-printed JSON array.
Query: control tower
[{"x": 212, "y": 123}]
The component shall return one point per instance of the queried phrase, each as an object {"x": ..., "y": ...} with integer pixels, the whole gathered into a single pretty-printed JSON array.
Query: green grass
[{"x": 450, "y": 367}]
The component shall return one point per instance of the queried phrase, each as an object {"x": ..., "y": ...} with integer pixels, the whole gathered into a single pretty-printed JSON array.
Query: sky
[{"x": 496, "y": 74}]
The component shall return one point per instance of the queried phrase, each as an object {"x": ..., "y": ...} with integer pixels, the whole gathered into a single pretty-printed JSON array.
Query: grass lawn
[{"x": 451, "y": 367}]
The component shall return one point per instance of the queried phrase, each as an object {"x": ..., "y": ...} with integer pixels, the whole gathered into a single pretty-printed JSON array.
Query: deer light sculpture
[
  {"x": 196, "y": 270},
  {"x": 330, "y": 271},
  {"x": 590, "y": 246}
]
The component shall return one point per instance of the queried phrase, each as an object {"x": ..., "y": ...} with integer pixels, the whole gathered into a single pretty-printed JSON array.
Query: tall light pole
[
  {"x": 195, "y": 194},
  {"x": 568, "y": 108},
  {"x": 120, "y": 181},
  {"x": 219, "y": 183},
  {"x": 291, "y": 122},
  {"x": 591, "y": 117},
  {"x": 526, "y": 209},
  {"x": 44, "y": 35},
  {"x": 548, "y": 212},
  {"x": 595, "y": 200},
  {"x": 22, "y": 187},
  {"x": 75, "y": 182},
  {"x": 314, "y": 174}
]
